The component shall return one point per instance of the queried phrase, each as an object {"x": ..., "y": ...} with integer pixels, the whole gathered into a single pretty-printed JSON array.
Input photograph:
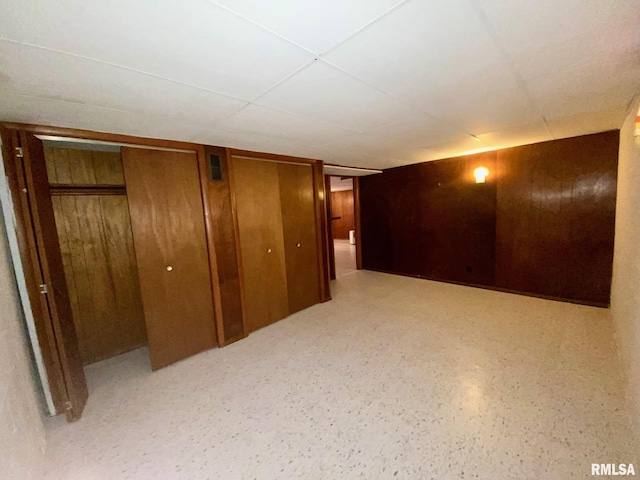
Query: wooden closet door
[
  {"x": 299, "y": 231},
  {"x": 261, "y": 242},
  {"x": 167, "y": 220}
]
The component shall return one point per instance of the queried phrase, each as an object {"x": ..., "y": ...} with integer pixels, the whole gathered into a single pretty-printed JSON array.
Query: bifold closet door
[
  {"x": 261, "y": 241},
  {"x": 299, "y": 231},
  {"x": 167, "y": 220}
]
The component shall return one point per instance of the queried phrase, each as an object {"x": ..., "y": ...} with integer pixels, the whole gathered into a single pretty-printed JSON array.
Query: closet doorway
[{"x": 112, "y": 242}]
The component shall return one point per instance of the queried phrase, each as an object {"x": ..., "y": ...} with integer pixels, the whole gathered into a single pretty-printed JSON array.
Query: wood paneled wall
[
  {"x": 218, "y": 194},
  {"x": 94, "y": 232},
  {"x": 542, "y": 224},
  {"x": 342, "y": 216}
]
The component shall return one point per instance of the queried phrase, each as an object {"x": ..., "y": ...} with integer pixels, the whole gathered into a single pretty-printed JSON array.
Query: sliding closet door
[
  {"x": 261, "y": 241},
  {"x": 299, "y": 230},
  {"x": 167, "y": 220}
]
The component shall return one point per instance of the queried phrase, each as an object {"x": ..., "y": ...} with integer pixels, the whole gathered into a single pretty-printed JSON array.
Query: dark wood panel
[
  {"x": 542, "y": 224},
  {"x": 168, "y": 227},
  {"x": 224, "y": 238},
  {"x": 332, "y": 253},
  {"x": 55, "y": 302},
  {"x": 299, "y": 235},
  {"x": 256, "y": 189},
  {"x": 342, "y": 213},
  {"x": 431, "y": 220},
  {"x": 556, "y": 217}
]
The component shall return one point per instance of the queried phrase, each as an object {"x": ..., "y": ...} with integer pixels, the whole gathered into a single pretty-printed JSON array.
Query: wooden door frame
[{"x": 356, "y": 218}]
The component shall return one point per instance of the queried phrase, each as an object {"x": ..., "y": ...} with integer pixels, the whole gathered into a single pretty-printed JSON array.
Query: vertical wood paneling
[
  {"x": 257, "y": 195},
  {"x": 342, "y": 213},
  {"x": 556, "y": 217},
  {"x": 98, "y": 255},
  {"x": 299, "y": 235},
  {"x": 223, "y": 232},
  {"x": 543, "y": 223}
]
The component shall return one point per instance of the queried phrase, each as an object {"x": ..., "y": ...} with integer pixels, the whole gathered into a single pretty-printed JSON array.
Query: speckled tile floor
[
  {"x": 345, "y": 255},
  {"x": 394, "y": 378}
]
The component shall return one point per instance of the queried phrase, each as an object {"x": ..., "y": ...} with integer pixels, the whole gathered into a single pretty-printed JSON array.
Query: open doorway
[{"x": 343, "y": 224}]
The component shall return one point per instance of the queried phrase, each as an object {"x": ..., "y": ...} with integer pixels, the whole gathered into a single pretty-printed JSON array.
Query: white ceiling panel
[
  {"x": 583, "y": 124},
  {"x": 317, "y": 26},
  {"x": 327, "y": 94},
  {"x": 192, "y": 41},
  {"x": 419, "y": 130},
  {"x": 521, "y": 135},
  {"x": 422, "y": 50},
  {"x": 39, "y": 111},
  {"x": 257, "y": 142},
  {"x": 40, "y": 73},
  {"x": 375, "y": 83},
  {"x": 255, "y": 119},
  {"x": 564, "y": 33}
]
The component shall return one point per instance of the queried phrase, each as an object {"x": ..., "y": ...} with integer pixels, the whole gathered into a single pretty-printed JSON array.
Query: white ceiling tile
[
  {"x": 419, "y": 50},
  {"x": 444, "y": 62},
  {"x": 317, "y": 26},
  {"x": 40, "y": 73},
  {"x": 59, "y": 113},
  {"x": 193, "y": 41},
  {"x": 463, "y": 145},
  {"x": 583, "y": 124},
  {"x": 565, "y": 33},
  {"x": 418, "y": 130},
  {"x": 521, "y": 135},
  {"x": 258, "y": 142},
  {"x": 255, "y": 119},
  {"x": 327, "y": 94}
]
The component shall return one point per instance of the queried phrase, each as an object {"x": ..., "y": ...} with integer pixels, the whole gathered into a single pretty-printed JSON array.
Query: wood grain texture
[
  {"x": 299, "y": 234},
  {"x": 15, "y": 175},
  {"x": 431, "y": 220},
  {"x": 68, "y": 166},
  {"x": 542, "y": 224},
  {"x": 342, "y": 214},
  {"x": 222, "y": 231},
  {"x": 321, "y": 227},
  {"x": 168, "y": 227},
  {"x": 256, "y": 185},
  {"x": 556, "y": 217},
  {"x": 358, "y": 222},
  {"x": 56, "y": 301},
  {"x": 331, "y": 250},
  {"x": 102, "y": 278}
]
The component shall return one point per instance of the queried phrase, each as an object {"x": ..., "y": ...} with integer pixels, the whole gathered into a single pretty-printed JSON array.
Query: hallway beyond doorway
[{"x": 345, "y": 257}]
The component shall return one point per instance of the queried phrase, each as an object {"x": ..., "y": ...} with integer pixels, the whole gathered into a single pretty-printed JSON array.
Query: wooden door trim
[
  {"x": 356, "y": 213},
  {"x": 66, "y": 395},
  {"x": 129, "y": 140},
  {"x": 270, "y": 157},
  {"x": 236, "y": 237},
  {"x": 332, "y": 254},
  {"x": 213, "y": 262},
  {"x": 322, "y": 231},
  {"x": 32, "y": 273}
]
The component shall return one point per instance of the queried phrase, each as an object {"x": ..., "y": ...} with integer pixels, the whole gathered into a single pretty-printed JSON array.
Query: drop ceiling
[{"x": 368, "y": 83}]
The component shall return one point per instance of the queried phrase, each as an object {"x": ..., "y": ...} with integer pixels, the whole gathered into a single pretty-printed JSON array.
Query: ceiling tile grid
[{"x": 360, "y": 82}]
